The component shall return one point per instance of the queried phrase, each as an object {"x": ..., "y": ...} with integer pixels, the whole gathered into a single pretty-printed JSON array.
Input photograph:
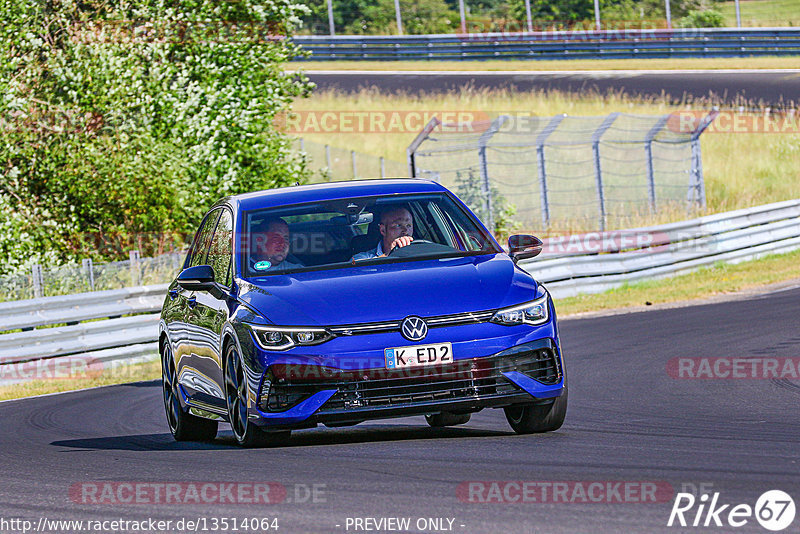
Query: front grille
[
  {"x": 377, "y": 388},
  {"x": 394, "y": 326}
]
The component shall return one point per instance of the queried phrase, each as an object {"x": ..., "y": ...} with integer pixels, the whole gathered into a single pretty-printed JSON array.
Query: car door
[
  {"x": 193, "y": 345},
  {"x": 177, "y": 307},
  {"x": 208, "y": 313}
]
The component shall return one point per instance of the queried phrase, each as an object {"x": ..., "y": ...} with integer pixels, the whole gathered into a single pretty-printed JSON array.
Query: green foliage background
[
  {"x": 442, "y": 16},
  {"x": 122, "y": 121}
]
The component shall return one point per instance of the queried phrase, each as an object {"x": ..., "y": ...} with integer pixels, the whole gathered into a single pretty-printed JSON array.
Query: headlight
[
  {"x": 534, "y": 312},
  {"x": 286, "y": 337}
]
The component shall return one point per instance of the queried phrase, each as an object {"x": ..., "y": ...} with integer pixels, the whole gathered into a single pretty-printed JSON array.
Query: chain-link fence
[
  {"x": 331, "y": 163},
  {"x": 89, "y": 276},
  {"x": 565, "y": 172}
]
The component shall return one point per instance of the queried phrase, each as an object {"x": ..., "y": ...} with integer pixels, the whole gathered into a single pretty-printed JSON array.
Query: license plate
[{"x": 418, "y": 355}]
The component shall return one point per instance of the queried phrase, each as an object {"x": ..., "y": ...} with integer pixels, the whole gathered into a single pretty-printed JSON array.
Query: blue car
[{"x": 344, "y": 302}]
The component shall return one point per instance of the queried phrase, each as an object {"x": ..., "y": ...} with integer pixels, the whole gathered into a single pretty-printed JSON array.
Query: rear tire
[
  {"x": 246, "y": 433},
  {"x": 443, "y": 419},
  {"x": 532, "y": 418},
  {"x": 184, "y": 426}
]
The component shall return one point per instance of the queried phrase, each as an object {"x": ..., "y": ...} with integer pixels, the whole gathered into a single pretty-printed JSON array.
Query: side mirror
[
  {"x": 521, "y": 247},
  {"x": 199, "y": 278}
]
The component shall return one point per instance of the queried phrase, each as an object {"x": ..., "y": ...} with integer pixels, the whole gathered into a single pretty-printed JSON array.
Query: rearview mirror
[{"x": 521, "y": 247}]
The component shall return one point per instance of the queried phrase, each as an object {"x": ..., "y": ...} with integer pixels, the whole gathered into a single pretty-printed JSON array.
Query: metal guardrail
[
  {"x": 106, "y": 340},
  {"x": 34, "y": 313},
  {"x": 643, "y": 253},
  {"x": 664, "y": 250},
  {"x": 599, "y": 44}
]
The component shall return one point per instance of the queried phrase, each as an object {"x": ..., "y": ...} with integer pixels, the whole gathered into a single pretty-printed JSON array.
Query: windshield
[{"x": 343, "y": 233}]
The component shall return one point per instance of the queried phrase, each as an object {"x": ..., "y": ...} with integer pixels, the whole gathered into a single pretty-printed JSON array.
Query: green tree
[
  {"x": 707, "y": 18},
  {"x": 419, "y": 17},
  {"x": 123, "y": 118},
  {"x": 345, "y": 13},
  {"x": 469, "y": 189}
]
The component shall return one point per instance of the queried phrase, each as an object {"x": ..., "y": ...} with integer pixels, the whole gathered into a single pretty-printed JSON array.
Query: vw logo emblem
[{"x": 414, "y": 328}]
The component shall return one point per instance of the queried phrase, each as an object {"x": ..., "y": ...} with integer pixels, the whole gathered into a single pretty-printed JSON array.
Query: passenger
[
  {"x": 396, "y": 229},
  {"x": 271, "y": 247}
]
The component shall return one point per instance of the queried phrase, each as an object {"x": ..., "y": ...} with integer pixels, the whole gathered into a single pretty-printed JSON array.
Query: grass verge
[
  {"x": 711, "y": 281},
  {"x": 118, "y": 375},
  {"x": 767, "y": 62},
  {"x": 763, "y": 13}
]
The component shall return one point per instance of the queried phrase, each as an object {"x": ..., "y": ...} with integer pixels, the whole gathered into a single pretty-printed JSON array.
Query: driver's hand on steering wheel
[{"x": 400, "y": 242}]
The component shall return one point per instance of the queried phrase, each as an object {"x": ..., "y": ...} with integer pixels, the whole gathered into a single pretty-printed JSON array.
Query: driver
[
  {"x": 272, "y": 247},
  {"x": 396, "y": 227}
]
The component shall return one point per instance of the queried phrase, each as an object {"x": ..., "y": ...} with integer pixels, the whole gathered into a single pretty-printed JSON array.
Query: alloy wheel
[{"x": 236, "y": 393}]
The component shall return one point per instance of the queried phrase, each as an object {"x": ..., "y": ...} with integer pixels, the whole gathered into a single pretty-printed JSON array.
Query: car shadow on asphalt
[{"x": 307, "y": 438}]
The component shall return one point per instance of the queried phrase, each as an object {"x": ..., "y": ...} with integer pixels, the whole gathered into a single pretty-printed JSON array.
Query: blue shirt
[{"x": 369, "y": 254}]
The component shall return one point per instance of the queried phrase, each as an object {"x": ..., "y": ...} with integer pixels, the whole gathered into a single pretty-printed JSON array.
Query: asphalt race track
[
  {"x": 628, "y": 420},
  {"x": 774, "y": 87}
]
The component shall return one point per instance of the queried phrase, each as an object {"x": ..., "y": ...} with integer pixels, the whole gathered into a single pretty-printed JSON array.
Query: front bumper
[{"x": 307, "y": 395}]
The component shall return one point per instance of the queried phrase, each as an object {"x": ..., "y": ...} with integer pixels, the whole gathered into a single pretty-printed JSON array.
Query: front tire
[
  {"x": 184, "y": 426},
  {"x": 533, "y": 418},
  {"x": 236, "y": 393}
]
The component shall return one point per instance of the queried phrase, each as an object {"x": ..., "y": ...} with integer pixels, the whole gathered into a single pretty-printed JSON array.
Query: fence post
[
  {"x": 597, "y": 15},
  {"x": 136, "y": 275},
  {"x": 398, "y": 17},
  {"x": 412, "y": 148},
  {"x": 738, "y": 15},
  {"x": 302, "y": 145},
  {"x": 484, "y": 167},
  {"x": 328, "y": 156},
  {"x": 598, "y": 172},
  {"x": 330, "y": 18},
  {"x": 648, "y": 150},
  {"x": 542, "y": 169},
  {"x": 88, "y": 266},
  {"x": 697, "y": 186},
  {"x": 383, "y": 168},
  {"x": 36, "y": 275},
  {"x": 353, "y": 157},
  {"x": 528, "y": 17},
  {"x": 669, "y": 14}
]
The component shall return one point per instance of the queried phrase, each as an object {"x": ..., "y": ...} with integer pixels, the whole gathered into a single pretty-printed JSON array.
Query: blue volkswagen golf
[{"x": 343, "y": 302}]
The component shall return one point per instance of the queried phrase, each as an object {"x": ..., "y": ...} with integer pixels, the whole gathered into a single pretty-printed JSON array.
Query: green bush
[
  {"x": 469, "y": 188},
  {"x": 130, "y": 119},
  {"x": 709, "y": 18}
]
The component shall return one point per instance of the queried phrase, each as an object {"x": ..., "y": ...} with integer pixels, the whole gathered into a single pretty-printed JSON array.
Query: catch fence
[
  {"x": 329, "y": 163},
  {"x": 44, "y": 281},
  {"x": 530, "y": 171}
]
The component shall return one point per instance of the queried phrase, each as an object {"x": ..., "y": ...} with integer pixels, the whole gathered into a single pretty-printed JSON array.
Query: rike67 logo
[{"x": 774, "y": 510}]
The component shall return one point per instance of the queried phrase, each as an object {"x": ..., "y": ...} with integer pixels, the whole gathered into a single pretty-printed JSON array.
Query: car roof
[{"x": 298, "y": 194}]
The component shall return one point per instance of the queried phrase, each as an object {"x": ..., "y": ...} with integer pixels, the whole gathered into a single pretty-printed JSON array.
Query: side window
[
  {"x": 442, "y": 228},
  {"x": 203, "y": 240},
  {"x": 219, "y": 254}
]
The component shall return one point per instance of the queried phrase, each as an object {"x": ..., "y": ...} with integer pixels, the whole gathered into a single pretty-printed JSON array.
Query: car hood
[{"x": 389, "y": 292}]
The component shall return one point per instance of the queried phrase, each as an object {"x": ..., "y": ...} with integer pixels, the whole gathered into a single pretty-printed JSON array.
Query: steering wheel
[{"x": 415, "y": 242}]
